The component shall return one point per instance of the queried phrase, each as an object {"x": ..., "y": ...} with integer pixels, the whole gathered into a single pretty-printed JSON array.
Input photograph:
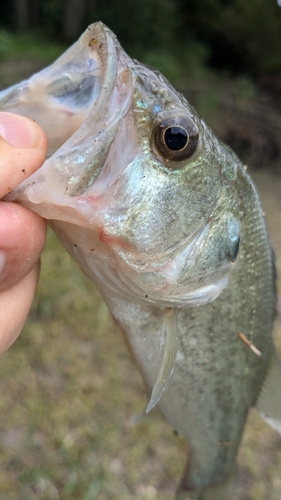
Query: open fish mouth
[{"x": 79, "y": 101}]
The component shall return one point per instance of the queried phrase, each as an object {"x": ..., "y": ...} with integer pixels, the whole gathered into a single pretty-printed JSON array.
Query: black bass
[{"x": 166, "y": 221}]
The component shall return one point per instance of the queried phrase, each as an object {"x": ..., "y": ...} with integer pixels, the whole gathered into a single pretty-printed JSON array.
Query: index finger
[{"x": 23, "y": 147}]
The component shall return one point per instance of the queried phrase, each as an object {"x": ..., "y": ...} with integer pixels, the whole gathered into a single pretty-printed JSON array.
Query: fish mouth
[{"x": 79, "y": 101}]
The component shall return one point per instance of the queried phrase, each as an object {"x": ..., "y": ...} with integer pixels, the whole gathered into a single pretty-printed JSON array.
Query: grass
[
  {"x": 29, "y": 46},
  {"x": 23, "y": 55}
]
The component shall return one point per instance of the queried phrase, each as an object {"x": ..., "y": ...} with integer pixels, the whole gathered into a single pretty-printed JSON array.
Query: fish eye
[{"x": 176, "y": 138}]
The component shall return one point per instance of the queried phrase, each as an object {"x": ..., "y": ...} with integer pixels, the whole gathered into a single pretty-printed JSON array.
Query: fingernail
[{"x": 19, "y": 131}]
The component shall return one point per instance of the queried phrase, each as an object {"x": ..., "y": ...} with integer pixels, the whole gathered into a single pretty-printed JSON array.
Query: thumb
[{"x": 23, "y": 146}]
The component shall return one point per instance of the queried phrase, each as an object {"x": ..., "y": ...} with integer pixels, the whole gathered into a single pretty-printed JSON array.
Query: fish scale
[{"x": 173, "y": 235}]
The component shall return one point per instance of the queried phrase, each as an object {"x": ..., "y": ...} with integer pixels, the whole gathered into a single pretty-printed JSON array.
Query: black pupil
[{"x": 176, "y": 138}]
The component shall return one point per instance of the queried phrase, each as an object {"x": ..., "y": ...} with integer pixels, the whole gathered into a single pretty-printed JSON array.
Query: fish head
[{"x": 139, "y": 190}]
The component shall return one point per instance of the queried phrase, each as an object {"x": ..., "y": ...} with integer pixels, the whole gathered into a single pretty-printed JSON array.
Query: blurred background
[
  {"x": 68, "y": 388},
  {"x": 224, "y": 54}
]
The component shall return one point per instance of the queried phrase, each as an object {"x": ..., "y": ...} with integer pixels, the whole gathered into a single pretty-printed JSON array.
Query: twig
[{"x": 249, "y": 344}]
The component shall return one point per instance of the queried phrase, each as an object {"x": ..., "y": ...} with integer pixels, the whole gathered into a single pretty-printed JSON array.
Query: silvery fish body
[{"x": 166, "y": 221}]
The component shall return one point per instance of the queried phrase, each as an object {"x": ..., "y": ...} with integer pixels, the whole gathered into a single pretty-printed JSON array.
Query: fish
[{"x": 165, "y": 220}]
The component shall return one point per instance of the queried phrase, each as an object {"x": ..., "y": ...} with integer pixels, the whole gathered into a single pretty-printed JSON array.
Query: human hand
[{"x": 23, "y": 148}]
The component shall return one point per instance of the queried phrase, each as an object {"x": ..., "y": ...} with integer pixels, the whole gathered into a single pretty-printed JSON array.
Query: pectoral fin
[
  {"x": 268, "y": 403},
  {"x": 170, "y": 329}
]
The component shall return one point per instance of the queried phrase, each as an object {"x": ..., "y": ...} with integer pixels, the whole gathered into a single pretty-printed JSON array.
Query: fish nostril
[{"x": 235, "y": 250}]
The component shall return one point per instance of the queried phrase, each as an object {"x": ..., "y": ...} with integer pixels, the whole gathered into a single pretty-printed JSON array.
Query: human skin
[{"x": 22, "y": 233}]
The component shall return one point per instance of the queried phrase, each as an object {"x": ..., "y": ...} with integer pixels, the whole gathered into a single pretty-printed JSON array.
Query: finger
[
  {"x": 23, "y": 147},
  {"x": 22, "y": 238},
  {"x": 15, "y": 304}
]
